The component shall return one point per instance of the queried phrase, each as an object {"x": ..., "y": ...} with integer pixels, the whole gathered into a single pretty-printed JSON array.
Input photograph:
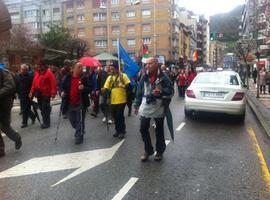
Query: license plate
[{"x": 213, "y": 94}]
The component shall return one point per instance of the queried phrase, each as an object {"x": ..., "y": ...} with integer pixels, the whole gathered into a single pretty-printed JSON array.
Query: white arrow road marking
[
  {"x": 81, "y": 161},
  {"x": 120, "y": 195},
  {"x": 180, "y": 126}
]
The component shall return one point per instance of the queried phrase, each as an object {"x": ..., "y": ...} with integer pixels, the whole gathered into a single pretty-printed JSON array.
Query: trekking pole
[{"x": 58, "y": 122}]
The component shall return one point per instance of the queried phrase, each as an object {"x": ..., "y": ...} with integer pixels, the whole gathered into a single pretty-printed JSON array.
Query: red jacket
[
  {"x": 191, "y": 76},
  {"x": 181, "y": 80},
  {"x": 45, "y": 82}
]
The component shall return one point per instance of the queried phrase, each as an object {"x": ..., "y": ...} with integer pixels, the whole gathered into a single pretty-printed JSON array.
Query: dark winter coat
[
  {"x": 23, "y": 85},
  {"x": 66, "y": 85}
]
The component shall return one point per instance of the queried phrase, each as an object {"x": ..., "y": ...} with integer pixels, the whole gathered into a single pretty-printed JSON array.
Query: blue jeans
[{"x": 75, "y": 114}]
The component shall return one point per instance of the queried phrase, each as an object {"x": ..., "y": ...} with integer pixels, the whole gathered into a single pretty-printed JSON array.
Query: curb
[{"x": 263, "y": 119}]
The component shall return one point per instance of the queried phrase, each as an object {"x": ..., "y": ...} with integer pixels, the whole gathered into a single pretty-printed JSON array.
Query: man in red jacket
[{"x": 44, "y": 87}]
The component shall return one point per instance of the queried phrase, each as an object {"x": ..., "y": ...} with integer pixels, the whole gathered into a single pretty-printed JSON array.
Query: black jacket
[
  {"x": 66, "y": 85},
  {"x": 23, "y": 85}
]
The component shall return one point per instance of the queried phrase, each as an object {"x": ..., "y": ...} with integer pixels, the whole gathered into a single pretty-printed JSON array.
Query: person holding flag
[{"x": 115, "y": 86}]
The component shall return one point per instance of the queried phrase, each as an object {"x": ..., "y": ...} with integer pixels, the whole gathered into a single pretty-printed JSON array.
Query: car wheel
[
  {"x": 241, "y": 118},
  {"x": 188, "y": 113}
]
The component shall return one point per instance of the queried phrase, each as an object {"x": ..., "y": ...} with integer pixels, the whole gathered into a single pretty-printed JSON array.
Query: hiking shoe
[
  {"x": 23, "y": 125},
  {"x": 115, "y": 134},
  {"x": 145, "y": 156},
  {"x": 44, "y": 126},
  {"x": 121, "y": 136},
  {"x": 158, "y": 157},
  {"x": 104, "y": 120},
  {"x": 2, "y": 153},
  {"x": 18, "y": 144},
  {"x": 110, "y": 121},
  {"x": 79, "y": 140}
]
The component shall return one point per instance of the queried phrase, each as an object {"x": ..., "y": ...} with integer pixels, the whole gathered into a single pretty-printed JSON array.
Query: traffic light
[{"x": 213, "y": 36}]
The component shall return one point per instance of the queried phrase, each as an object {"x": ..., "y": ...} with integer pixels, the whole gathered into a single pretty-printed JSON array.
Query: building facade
[
  {"x": 101, "y": 23},
  {"x": 37, "y": 15}
]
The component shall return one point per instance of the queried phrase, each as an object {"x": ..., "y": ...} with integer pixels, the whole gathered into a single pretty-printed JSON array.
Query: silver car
[{"x": 218, "y": 92}]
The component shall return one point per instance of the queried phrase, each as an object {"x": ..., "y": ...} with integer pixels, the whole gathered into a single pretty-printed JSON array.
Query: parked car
[{"x": 216, "y": 92}]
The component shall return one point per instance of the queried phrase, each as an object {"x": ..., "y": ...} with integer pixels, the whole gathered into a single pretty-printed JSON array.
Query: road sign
[{"x": 81, "y": 161}]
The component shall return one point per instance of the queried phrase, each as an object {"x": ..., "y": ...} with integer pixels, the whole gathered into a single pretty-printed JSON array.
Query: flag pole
[{"x": 119, "y": 60}]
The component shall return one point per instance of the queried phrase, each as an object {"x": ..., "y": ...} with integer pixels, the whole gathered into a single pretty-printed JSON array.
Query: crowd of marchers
[{"x": 103, "y": 89}]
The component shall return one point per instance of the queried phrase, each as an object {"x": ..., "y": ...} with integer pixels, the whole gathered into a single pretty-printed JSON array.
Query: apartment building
[
  {"x": 35, "y": 14},
  {"x": 203, "y": 40},
  {"x": 102, "y": 22},
  {"x": 216, "y": 54}
]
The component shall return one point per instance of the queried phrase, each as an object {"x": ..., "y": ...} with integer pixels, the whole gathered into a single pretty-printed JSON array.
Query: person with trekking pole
[
  {"x": 75, "y": 91},
  {"x": 116, "y": 85}
]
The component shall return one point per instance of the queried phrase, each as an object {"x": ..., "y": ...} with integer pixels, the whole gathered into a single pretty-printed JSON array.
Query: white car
[{"x": 216, "y": 92}]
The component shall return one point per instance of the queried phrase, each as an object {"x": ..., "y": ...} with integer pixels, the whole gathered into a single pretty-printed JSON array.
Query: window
[
  {"x": 31, "y": 13},
  {"x": 69, "y": 6},
  {"x": 101, "y": 43},
  {"x": 56, "y": 11},
  {"x": 114, "y": 43},
  {"x": 146, "y": 13},
  {"x": 130, "y": 14},
  {"x": 70, "y": 20},
  {"x": 147, "y": 40},
  {"x": 145, "y": 1},
  {"x": 115, "y": 16},
  {"x": 15, "y": 15},
  {"x": 45, "y": 13},
  {"x": 80, "y": 4},
  {"x": 131, "y": 42},
  {"x": 115, "y": 30},
  {"x": 115, "y": 2},
  {"x": 99, "y": 17},
  {"x": 100, "y": 30},
  {"x": 81, "y": 32},
  {"x": 34, "y": 25},
  {"x": 80, "y": 18},
  {"x": 146, "y": 28},
  {"x": 130, "y": 29},
  {"x": 132, "y": 55}
]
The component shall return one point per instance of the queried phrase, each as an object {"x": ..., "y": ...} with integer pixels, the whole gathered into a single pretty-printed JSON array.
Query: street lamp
[{"x": 108, "y": 24}]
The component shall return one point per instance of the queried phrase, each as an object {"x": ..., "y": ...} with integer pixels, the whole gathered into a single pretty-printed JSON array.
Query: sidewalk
[{"x": 260, "y": 106}]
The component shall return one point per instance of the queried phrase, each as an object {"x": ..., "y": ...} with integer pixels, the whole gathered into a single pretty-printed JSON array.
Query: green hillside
[{"x": 228, "y": 24}]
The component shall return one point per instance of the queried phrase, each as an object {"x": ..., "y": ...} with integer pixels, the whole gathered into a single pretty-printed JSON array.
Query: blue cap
[{"x": 2, "y": 66}]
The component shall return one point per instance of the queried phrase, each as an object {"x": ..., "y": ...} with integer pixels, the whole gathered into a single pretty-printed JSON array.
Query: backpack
[{"x": 13, "y": 89}]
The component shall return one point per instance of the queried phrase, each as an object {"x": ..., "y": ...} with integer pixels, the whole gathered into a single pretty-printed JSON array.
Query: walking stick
[{"x": 58, "y": 122}]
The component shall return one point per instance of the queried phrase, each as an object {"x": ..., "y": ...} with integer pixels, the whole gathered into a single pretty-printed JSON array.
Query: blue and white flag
[{"x": 131, "y": 68}]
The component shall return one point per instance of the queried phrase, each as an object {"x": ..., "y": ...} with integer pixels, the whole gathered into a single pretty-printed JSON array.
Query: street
[{"x": 211, "y": 158}]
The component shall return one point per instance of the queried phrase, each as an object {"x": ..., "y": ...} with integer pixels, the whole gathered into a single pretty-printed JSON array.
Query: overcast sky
[{"x": 210, "y": 7}]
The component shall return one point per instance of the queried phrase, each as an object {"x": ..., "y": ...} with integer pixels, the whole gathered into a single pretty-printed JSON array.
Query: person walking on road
[
  {"x": 149, "y": 103},
  {"x": 262, "y": 83},
  {"x": 75, "y": 91},
  {"x": 254, "y": 75},
  {"x": 181, "y": 81},
  {"x": 102, "y": 75},
  {"x": 44, "y": 87},
  {"x": 23, "y": 86},
  {"x": 116, "y": 85},
  {"x": 7, "y": 90}
]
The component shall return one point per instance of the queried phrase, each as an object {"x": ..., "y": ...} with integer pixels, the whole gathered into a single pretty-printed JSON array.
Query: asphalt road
[{"x": 212, "y": 158}]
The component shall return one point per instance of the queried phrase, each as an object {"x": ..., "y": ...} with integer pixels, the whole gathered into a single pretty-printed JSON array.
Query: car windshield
[{"x": 217, "y": 79}]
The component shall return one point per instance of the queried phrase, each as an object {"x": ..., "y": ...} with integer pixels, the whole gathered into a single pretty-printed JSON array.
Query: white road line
[
  {"x": 120, "y": 195},
  {"x": 180, "y": 126}
]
